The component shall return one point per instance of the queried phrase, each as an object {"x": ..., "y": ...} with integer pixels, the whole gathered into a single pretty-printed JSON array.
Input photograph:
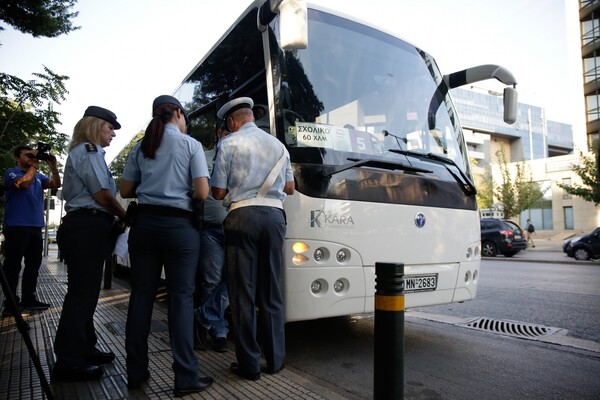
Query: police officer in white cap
[{"x": 253, "y": 175}]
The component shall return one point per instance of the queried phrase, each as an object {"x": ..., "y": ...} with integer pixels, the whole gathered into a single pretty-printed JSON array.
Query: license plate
[
  {"x": 518, "y": 237},
  {"x": 420, "y": 283}
]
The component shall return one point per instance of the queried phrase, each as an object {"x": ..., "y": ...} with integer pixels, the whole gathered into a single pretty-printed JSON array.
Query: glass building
[
  {"x": 531, "y": 137},
  {"x": 589, "y": 16}
]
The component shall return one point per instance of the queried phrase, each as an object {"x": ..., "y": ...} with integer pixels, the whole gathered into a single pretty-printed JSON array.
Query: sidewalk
[
  {"x": 547, "y": 249},
  {"x": 19, "y": 379}
]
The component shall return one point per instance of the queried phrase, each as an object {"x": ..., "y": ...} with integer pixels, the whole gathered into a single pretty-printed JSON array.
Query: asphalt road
[{"x": 445, "y": 359}]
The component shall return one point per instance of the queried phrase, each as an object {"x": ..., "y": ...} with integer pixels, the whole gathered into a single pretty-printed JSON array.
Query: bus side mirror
[
  {"x": 293, "y": 27},
  {"x": 510, "y": 105}
]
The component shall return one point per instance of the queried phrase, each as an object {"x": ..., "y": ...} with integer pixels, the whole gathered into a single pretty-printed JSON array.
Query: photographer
[{"x": 23, "y": 222}]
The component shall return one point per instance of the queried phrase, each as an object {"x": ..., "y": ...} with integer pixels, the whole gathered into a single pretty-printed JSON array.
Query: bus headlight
[
  {"x": 342, "y": 255},
  {"x": 339, "y": 286},
  {"x": 299, "y": 259},
  {"x": 300, "y": 247},
  {"x": 318, "y": 287},
  {"x": 321, "y": 254}
]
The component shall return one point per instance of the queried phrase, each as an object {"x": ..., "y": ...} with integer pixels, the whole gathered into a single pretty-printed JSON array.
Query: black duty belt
[
  {"x": 91, "y": 212},
  {"x": 164, "y": 211},
  {"x": 206, "y": 225}
]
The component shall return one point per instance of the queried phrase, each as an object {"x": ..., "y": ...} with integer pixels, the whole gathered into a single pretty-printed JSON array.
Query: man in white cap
[{"x": 252, "y": 174}]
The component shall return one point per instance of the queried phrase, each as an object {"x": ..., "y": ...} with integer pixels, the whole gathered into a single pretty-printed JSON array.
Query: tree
[
  {"x": 590, "y": 176},
  {"x": 27, "y": 113},
  {"x": 485, "y": 189},
  {"x": 117, "y": 166},
  {"x": 47, "y": 18},
  {"x": 516, "y": 193}
]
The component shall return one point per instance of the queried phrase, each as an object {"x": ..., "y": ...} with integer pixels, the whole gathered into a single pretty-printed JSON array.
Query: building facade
[
  {"x": 544, "y": 147},
  {"x": 589, "y": 17}
]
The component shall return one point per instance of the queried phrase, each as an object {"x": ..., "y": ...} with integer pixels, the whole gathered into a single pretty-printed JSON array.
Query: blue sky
[{"x": 127, "y": 52}]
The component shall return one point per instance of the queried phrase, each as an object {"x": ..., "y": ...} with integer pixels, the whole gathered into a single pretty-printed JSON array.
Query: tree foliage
[
  {"x": 117, "y": 166},
  {"x": 517, "y": 192},
  {"x": 27, "y": 114},
  {"x": 589, "y": 173},
  {"x": 485, "y": 189},
  {"x": 39, "y": 18}
]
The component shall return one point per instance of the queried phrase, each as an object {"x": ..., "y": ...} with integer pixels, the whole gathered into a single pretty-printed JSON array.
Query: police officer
[
  {"x": 252, "y": 174},
  {"x": 165, "y": 171},
  {"x": 211, "y": 282},
  {"x": 84, "y": 239}
]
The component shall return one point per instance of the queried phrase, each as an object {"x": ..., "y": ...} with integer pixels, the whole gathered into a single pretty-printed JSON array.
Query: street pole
[{"x": 388, "y": 340}]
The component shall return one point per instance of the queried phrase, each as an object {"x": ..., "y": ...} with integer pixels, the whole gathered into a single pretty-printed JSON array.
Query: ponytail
[{"x": 156, "y": 130}]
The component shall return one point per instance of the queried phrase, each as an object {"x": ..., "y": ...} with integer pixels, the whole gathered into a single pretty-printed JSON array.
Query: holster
[
  {"x": 198, "y": 213},
  {"x": 131, "y": 213}
]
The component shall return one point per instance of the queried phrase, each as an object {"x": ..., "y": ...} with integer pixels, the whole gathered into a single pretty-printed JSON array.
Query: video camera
[{"x": 43, "y": 152}]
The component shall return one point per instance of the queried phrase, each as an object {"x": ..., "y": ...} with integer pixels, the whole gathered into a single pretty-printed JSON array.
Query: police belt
[
  {"x": 164, "y": 211},
  {"x": 206, "y": 225},
  {"x": 91, "y": 212}
]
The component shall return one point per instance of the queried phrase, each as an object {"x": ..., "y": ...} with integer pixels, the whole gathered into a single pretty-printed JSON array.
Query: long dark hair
[{"x": 156, "y": 129}]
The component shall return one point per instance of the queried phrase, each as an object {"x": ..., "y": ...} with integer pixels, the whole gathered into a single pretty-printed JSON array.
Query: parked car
[
  {"x": 501, "y": 236},
  {"x": 568, "y": 241},
  {"x": 587, "y": 247}
]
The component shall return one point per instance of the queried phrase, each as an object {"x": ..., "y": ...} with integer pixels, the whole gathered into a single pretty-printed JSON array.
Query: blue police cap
[
  {"x": 104, "y": 114},
  {"x": 166, "y": 99}
]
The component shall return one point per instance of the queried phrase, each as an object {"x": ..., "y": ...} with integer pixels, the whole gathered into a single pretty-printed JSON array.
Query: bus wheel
[{"x": 488, "y": 249}]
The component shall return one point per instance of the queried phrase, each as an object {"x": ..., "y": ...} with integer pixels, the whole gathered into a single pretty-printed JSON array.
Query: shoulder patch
[{"x": 91, "y": 148}]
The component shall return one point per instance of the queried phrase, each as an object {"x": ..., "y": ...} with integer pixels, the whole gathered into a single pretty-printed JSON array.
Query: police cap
[
  {"x": 102, "y": 113},
  {"x": 234, "y": 105},
  {"x": 166, "y": 99}
]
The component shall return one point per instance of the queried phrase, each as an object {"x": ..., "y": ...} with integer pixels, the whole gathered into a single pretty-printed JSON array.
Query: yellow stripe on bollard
[{"x": 389, "y": 303}]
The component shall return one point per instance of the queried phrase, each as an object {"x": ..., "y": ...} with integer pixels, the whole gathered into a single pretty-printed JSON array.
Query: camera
[{"x": 43, "y": 152}]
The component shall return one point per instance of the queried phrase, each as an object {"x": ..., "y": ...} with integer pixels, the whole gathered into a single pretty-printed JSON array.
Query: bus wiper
[
  {"x": 465, "y": 183},
  {"x": 356, "y": 162}
]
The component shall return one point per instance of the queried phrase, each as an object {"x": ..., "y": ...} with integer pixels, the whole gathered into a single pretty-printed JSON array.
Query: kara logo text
[{"x": 319, "y": 218}]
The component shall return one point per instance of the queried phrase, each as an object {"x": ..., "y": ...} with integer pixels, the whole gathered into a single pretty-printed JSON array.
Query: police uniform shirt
[
  {"x": 86, "y": 173},
  {"x": 24, "y": 207},
  {"x": 244, "y": 160},
  {"x": 166, "y": 180}
]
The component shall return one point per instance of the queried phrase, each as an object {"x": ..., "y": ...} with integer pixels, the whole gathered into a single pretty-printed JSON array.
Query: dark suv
[
  {"x": 586, "y": 247},
  {"x": 501, "y": 236}
]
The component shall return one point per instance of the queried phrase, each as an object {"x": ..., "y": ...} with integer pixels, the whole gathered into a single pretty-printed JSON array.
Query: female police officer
[
  {"x": 161, "y": 171},
  {"x": 84, "y": 239}
]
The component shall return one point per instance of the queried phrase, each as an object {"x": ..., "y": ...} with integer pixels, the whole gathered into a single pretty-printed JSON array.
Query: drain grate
[{"x": 511, "y": 328}]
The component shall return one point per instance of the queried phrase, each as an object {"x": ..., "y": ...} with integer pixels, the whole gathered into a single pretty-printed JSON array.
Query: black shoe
[
  {"x": 201, "y": 340},
  {"x": 6, "y": 313},
  {"x": 270, "y": 371},
  {"x": 203, "y": 384},
  {"x": 220, "y": 345},
  {"x": 235, "y": 368},
  {"x": 35, "y": 305},
  {"x": 136, "y": 383},
  {"x": 61, "y": 373},
  {"x": 97, "y": 357}
]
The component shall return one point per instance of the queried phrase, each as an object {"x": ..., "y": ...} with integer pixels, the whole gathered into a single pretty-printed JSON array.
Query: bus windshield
[{"x": 356, "y": 92}]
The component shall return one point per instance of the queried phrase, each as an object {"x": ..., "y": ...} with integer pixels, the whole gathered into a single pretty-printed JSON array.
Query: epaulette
[{"x": 91, "y": 148}]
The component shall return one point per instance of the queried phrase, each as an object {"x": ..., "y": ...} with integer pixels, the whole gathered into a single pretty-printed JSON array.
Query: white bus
[{"x": 379, "y": 158}]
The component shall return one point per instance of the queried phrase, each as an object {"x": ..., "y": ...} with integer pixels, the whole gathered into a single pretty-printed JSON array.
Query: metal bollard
[{"x": 388, "y": 371}]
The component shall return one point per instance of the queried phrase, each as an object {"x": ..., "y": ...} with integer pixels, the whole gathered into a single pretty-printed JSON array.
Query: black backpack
[{"x": 530, "y": 228}]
